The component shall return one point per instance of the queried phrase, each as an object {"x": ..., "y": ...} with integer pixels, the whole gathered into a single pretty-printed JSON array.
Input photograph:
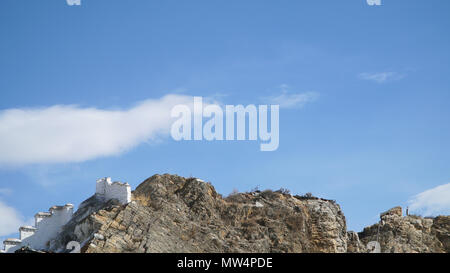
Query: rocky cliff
[
  {"x": 170, "y": 213},
  {"x": 409, "y": 234}
]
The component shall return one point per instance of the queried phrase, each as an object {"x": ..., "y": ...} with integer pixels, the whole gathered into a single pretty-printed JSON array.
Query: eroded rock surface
[
  {"x": 169, "y": 213},
  {"x": 174, "y": 214},
  {"x": 409, "y": 234}
]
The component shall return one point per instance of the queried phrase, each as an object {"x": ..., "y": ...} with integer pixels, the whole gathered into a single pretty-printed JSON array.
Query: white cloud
[
  {"x": 67, "y": 133},
  {"x": 432, "y": 202},
  {"x": 10, "y": 220},
  {"x": 292, "y": 100},
  {"x": 381, "y": 77},
  {"x": 5, "y": 191}
]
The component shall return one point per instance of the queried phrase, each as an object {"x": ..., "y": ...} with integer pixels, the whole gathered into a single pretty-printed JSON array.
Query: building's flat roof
[
  {"x": 27, "y": 227},
  {"x": 43, "y": 214},
  {"x": 12, "y": 240}
]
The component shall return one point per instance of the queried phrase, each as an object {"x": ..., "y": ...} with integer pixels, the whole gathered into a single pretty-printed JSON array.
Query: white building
[
  {"x": 11, "y": 244},
  {"x": 107, "y": 190},
  {"x": 48, "y": 224}
]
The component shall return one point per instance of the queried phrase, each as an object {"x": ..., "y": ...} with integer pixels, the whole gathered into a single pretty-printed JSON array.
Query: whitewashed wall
[
  {"x": 113, "y": 190},
  {"x": 49, "y": 227},
  {"x": 49, "y": 224},
  {"x": 11, "y": 244},
  {"x": 26, "y": 232}
]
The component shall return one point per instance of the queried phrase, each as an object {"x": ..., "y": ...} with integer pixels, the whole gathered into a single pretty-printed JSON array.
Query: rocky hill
[
  {"x": 409, "y": 234},
  {"x": 169, "y": 213}
]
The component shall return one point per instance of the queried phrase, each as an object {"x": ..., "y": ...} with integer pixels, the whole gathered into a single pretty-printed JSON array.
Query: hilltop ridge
[{"x": 170, "y": 213}]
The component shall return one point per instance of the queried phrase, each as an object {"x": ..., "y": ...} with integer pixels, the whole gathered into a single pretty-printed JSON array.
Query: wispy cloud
[
  {"x": 381, "y": 77},
  {"x": 10, "y": 220},
  {"x": 5, "y": 191},
  {"x": 287, "y": 99},
  {"x": 65, "y": 133},
  {"x": 432, "y": 202}
]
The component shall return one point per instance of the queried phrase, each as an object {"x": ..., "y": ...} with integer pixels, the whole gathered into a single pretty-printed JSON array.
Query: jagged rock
[
  {"x": 397, "y": 211},
  {"x": 173, "y": 214},
  {"x": 169, "y": 213},
  {"x": 409, "y": 234},
  {"x": 81, "y": 228},
  {"x": 354, "y": 245},
  {"x": 441, "y": 228}
]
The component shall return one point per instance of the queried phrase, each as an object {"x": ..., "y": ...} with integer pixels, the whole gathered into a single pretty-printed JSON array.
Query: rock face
[
  {"x": 397, "y": 211},
  {"x": 409, "y": 234},
  {"x": 169, "y": 213},
  {"x": 81, "y": 228},
  {"x": 174, "y": 214}
]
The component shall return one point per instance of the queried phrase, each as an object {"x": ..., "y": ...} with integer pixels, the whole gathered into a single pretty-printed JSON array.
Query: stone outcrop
[
  {"x": 409, "y": 234},
  {"x": 79, "y": 228},
  {"x": 173, "y": 214},
  {"x": 397, "y": 211},
  {"x": 354, "y": 244},
  {"x": 169, "y": 213}
]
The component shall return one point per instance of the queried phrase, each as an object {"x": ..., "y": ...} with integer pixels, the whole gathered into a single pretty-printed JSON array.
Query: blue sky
[{"x": 375, "y": 136}]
